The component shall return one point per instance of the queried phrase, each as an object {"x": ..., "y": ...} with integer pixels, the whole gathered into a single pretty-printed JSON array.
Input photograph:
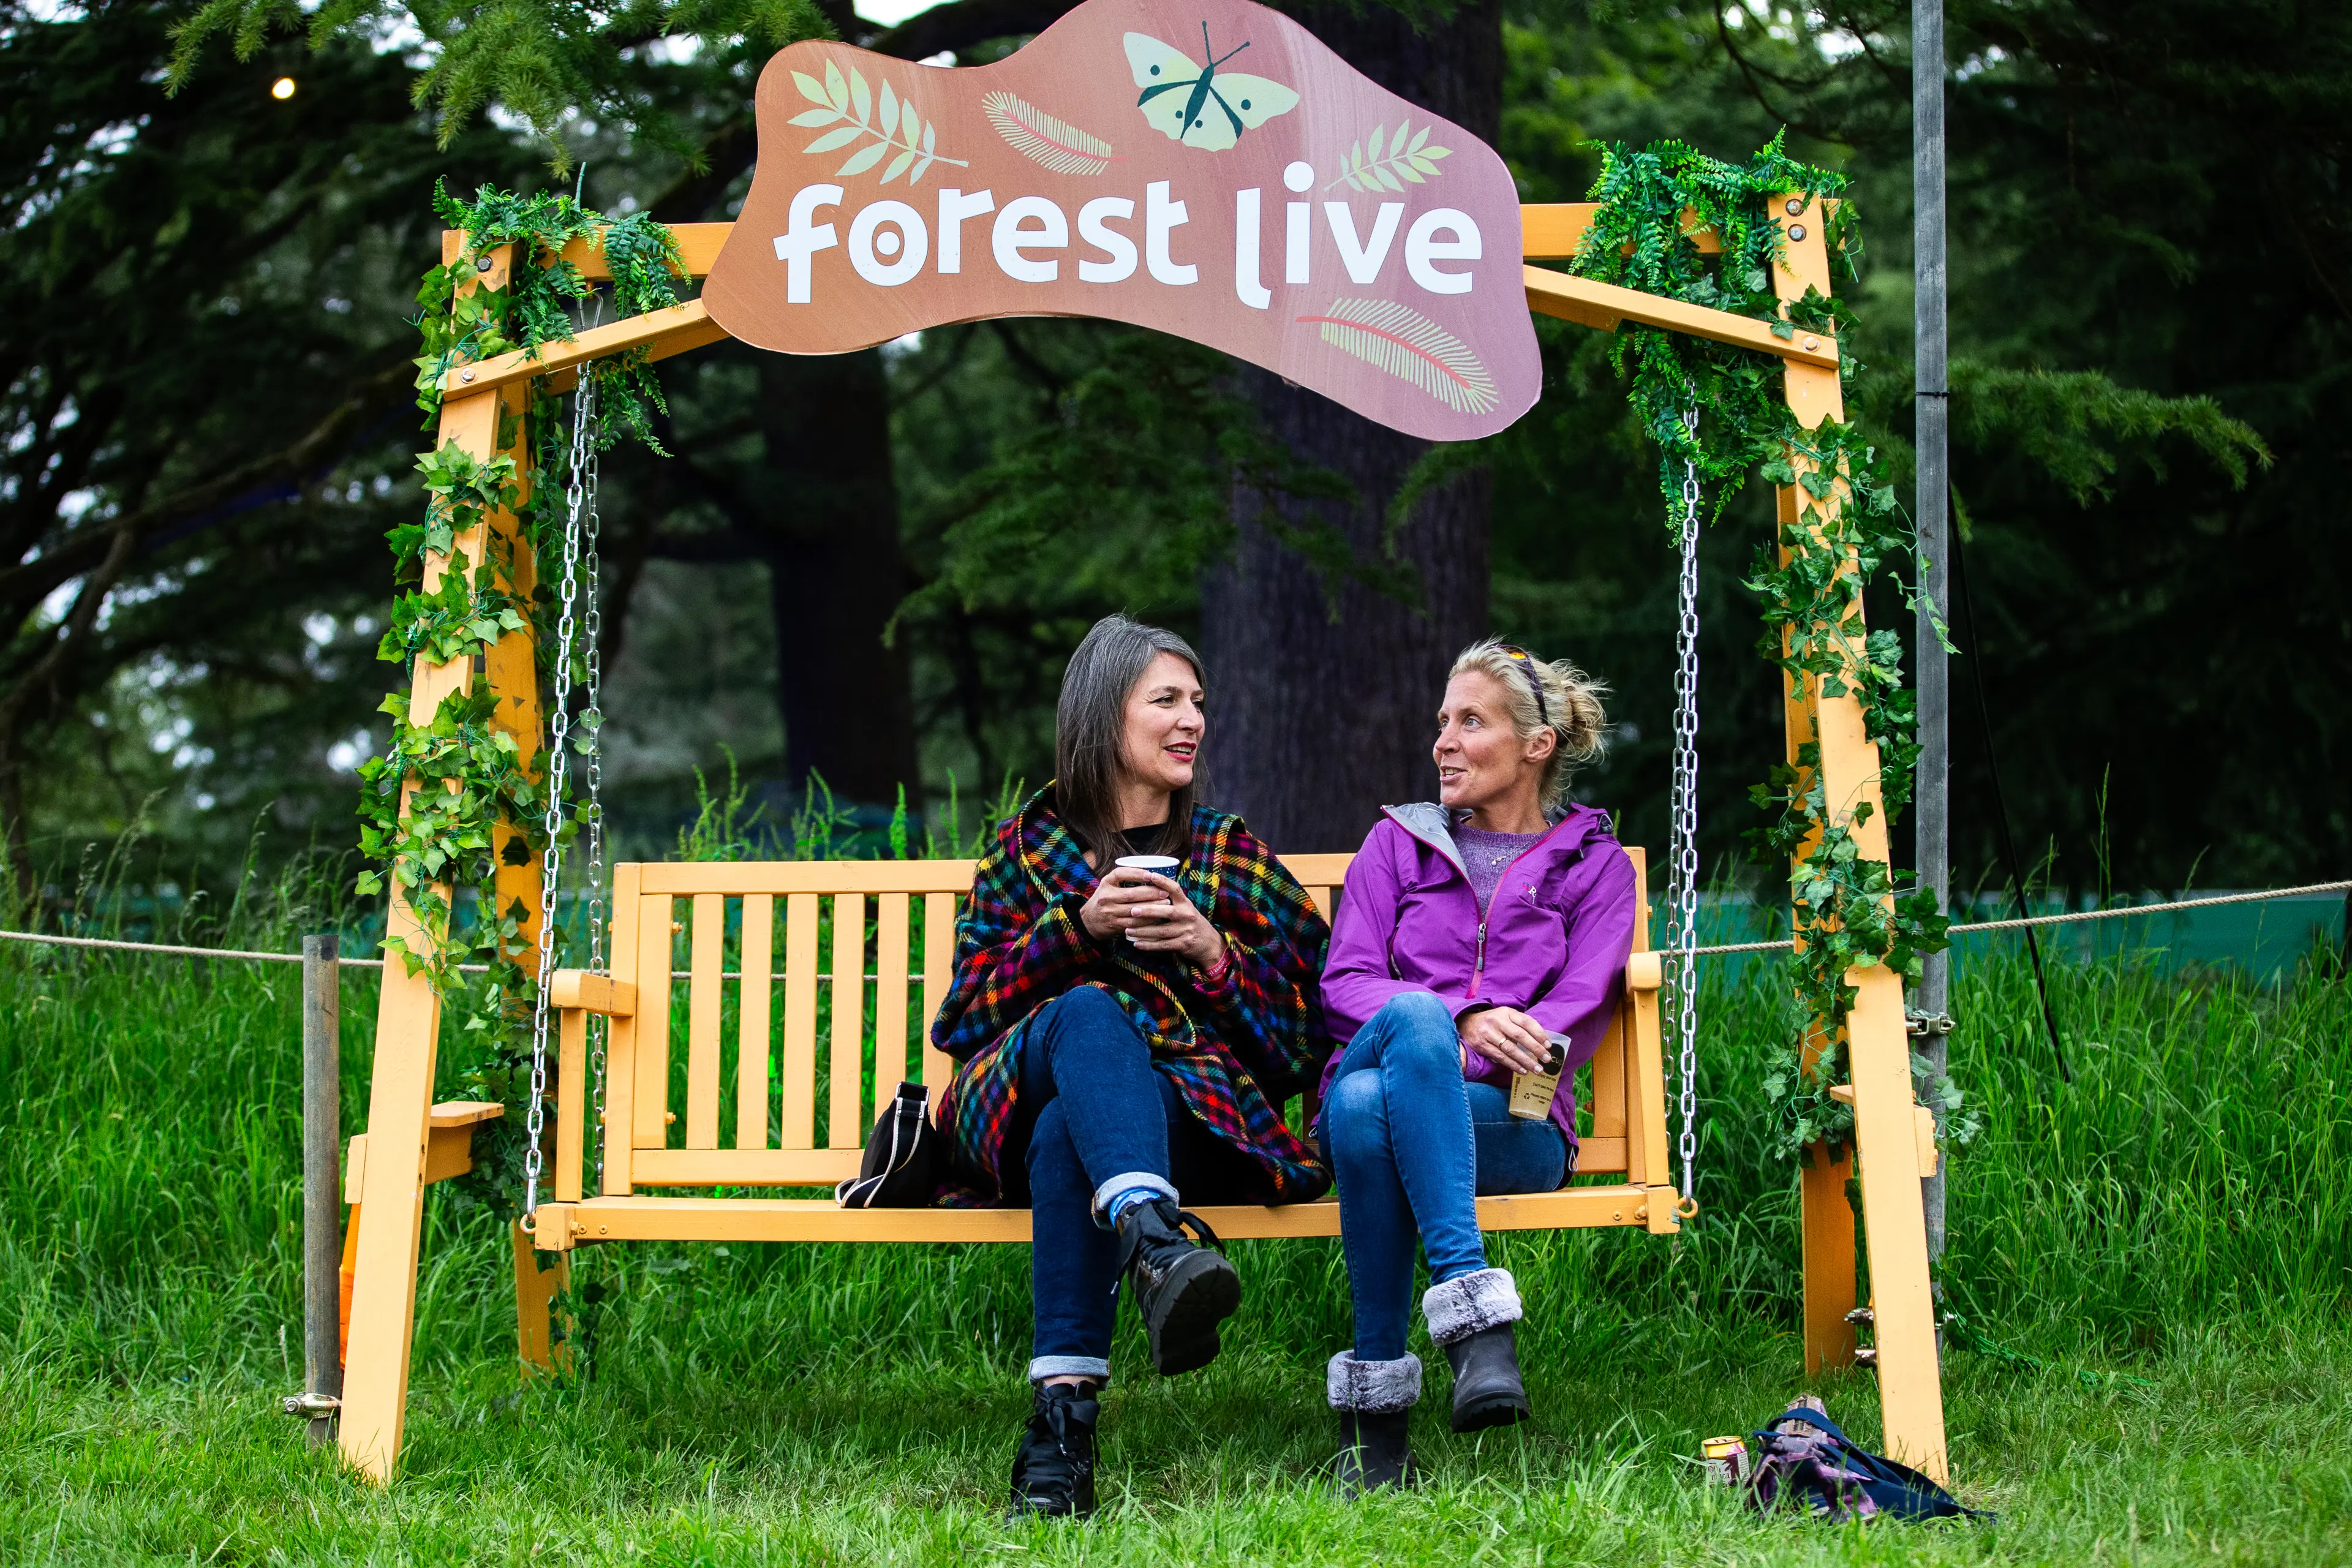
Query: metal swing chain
[
  {"x": 1682, "y": 888},
  {"x": 558, "y": 746},
  {"x": 592, "y": 719}
]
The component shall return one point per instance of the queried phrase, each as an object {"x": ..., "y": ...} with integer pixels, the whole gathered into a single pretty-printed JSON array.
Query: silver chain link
[
  {"x": 559, "y": 734},
  {"x": 1682, "y": 887},
  {"x": 591, "y": 720}
]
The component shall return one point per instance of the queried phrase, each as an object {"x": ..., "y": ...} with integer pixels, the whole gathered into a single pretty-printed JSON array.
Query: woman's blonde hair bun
[{"x": 1572, "y": 706}]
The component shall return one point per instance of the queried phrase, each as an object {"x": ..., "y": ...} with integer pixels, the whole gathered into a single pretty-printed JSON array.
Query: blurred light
[{"x": 283, "y": 88}]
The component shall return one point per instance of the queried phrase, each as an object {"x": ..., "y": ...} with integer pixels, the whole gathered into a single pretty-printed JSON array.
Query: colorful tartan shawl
[{"x": 1234, "y": 1053}]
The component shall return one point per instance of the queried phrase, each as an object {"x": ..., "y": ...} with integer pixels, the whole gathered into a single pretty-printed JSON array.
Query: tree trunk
[
  {"x": 822, "y": 510},
  {"x": 1322, "y": 720}
]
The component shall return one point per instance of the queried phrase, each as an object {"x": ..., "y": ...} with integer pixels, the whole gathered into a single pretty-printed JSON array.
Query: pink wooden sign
[{"x": 1203, "y": 167}]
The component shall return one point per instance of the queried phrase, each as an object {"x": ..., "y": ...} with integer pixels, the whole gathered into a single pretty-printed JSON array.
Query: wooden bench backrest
[{"x": 839, "y": 1042}]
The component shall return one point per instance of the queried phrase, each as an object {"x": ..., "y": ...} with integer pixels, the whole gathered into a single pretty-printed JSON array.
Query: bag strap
[{"x": 1810, "y": 1417}]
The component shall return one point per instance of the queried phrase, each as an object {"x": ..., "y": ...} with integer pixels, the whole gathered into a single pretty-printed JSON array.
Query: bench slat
[
  {"x": 889, "y": 995},
  {"x": 939, "y": 962},
  {"x": 745, "y": 1167},
  {"x": 820, "y": 1219},
  {"x": 705, "y": 1002},
  {"x": 800, "y": 1021},
  {"x": 621, "y": 1044},
  {"x": 753, "y": 1013},
  {"x": 845, "y": 1123},
  {"x": 654, "y": 949},
  {"x": 739, "y": 877}
]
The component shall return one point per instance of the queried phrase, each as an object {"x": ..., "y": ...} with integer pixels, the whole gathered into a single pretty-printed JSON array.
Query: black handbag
[{"x": 904, "y": 1155}]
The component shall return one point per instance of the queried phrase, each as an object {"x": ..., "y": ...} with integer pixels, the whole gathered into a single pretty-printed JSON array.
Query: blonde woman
[{"x": 1475, "y": 934}]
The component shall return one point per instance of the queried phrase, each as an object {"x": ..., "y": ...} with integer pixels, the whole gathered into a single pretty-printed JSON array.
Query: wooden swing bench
[{"x": 773, "y": 1140}]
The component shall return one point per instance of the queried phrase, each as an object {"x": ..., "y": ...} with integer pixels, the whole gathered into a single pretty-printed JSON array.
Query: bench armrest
[
  {"x": 1644, "y": 971},
  {"x": 592, "y": 993}
]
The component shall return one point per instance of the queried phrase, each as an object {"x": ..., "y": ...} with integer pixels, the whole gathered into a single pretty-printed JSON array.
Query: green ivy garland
[
  {"x": 478, "y": 805},
  {"x": 1848, "y": 910}
]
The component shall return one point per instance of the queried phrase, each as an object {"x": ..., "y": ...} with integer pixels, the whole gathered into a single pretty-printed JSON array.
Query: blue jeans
[
  {"x": 1093, "y": 1118},
  {"x": 1414, "y": 1146}
]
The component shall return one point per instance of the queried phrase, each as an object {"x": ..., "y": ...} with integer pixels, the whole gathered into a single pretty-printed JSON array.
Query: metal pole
[
  {"x": 1932, "y": 409},
  {"x": 322, "y": 1215}
]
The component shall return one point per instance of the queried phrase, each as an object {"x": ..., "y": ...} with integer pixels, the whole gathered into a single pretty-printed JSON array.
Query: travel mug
[{"x": 1531, "y": 1093}]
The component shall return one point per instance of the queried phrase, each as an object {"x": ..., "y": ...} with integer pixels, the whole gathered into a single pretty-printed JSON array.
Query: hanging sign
[{"x": 1207, "y": 168}]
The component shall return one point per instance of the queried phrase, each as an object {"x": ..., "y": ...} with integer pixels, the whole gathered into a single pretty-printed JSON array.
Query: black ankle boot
[
  {"x": 1374, "y": 1453},
  {"x": 1486, "y": 1387},
  {"x": 1054, "y": 1469},
  {"x": 1374, "y": 1400},
  {"x": 1181, "y": 1289}
]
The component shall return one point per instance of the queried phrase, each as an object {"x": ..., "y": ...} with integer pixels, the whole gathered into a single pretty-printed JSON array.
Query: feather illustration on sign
[
  {"x": 1407, "y": 344},
  {"x": 1035, "y": 134}
]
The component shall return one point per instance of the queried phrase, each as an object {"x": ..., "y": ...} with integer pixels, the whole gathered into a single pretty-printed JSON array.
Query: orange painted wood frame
[{"x": 482, "y": 398}]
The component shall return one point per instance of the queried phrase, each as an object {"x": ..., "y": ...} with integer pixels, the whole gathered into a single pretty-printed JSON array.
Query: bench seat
[{"x": 811, "y": 985}]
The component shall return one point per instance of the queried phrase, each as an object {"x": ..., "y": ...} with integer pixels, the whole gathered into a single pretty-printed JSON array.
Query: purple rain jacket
[{"x": 1553, "y": 945}]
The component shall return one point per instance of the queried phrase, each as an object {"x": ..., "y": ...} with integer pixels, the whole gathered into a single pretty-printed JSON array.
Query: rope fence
[{"x": 171, "y": 949}]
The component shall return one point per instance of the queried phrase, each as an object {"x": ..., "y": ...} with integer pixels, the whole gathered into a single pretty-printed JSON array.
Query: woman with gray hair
[
  {"x": 1480, "y": 941},
  {"x": 1134, "y": 999}
]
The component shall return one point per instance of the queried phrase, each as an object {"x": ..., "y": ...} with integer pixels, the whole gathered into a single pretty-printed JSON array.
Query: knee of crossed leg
[
  {"x": 1101, "y": 1017},
  {"x": 1357, "y": 1111},
  {"x": 1418, "y": 1021}
]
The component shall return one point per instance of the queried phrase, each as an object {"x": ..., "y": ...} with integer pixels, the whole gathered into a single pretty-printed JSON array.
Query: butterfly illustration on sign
[{"x": 1199, "y": 105}]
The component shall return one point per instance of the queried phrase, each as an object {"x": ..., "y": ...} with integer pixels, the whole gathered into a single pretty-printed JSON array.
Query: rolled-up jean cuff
[
  {"x": 1127, "y": 1184},
  {"x": 1094, "y": 1366}
]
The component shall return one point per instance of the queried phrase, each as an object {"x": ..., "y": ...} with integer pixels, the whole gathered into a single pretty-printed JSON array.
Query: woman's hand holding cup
[
  {"x": 1507, "y": 1036},
  {"x": 1135, "y": 900}
]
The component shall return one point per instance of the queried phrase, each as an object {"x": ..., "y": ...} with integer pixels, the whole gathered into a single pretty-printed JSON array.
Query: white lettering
[
  {"x": 1245, "y": 247},
  {"x": 906, "y": 241},
  {"x": 802, "y": 239},
  {"x": 1420, "y": 248},
  {"x": 1010, "y": 238},
  {"x": 954, "y": 207},
  {"x": 1363, "y": 260},
  {"x": 1094, "y": 228},
  {"x": 1160, "y": 216},
  {"x": 1298, "y": 243}
]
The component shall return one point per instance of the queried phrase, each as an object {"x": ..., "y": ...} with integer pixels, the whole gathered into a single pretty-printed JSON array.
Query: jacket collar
[{"x": 1434, "y": 826}]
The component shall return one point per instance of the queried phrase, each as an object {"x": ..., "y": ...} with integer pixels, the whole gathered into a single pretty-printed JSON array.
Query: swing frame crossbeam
[{"x": 481, "y": 401}]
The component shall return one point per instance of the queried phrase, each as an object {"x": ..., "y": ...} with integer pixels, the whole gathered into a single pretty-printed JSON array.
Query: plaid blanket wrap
[{"x": 1235, "y": 1052}]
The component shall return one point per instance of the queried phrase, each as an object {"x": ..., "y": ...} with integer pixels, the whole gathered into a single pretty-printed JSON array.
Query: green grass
[{"x": 2158, "y": 1253}]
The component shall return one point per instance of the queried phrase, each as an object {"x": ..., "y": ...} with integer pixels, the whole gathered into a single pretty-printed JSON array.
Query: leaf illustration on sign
[
  {"x": 1364, "y": 169},
  {"x": 1199, "y": 105},
  {"x": 892, "y": 123},
  {"x": 1407, "y": 344},
  {"x": 1034, "y": 133}
]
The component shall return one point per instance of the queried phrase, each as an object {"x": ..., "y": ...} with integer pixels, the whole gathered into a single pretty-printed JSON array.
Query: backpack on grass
[{"x": 1828, "y": 1474}]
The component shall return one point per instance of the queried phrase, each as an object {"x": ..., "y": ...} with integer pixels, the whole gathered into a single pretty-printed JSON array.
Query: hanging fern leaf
[
  {"x": 1407, "y": 344},
  {"x": 1037, "y": 135}
]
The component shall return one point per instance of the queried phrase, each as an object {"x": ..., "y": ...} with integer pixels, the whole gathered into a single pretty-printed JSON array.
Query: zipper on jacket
[{"x": 1478, "y": 965}]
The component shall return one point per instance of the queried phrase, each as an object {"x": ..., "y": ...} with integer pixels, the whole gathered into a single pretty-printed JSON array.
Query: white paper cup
[{"x": 1165, "y": 865}]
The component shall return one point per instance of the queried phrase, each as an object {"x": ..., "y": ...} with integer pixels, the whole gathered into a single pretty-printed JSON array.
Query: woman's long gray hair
[{"x": 1090, "y": 735}]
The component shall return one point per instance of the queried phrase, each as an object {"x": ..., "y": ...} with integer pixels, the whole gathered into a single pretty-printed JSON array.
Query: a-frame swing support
[{"x": 486, "y": 401}]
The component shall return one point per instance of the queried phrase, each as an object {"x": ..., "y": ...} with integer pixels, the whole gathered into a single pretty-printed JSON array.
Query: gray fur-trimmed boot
[
  {"x": 1470, "y": 1316},
  {"x": 1375, "y": 1400}
]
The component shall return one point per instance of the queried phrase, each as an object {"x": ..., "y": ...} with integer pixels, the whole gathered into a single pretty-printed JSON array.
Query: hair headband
[{"x": 1525, "y": 662}]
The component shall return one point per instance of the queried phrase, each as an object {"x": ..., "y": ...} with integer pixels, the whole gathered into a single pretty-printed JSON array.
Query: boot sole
[
  {"x": 1205, "y": 1292},
  {"x": 1492, "y": 1410}
]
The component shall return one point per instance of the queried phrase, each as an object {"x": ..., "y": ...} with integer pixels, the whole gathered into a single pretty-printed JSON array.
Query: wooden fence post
[{"x": 322, "y": 1193}]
